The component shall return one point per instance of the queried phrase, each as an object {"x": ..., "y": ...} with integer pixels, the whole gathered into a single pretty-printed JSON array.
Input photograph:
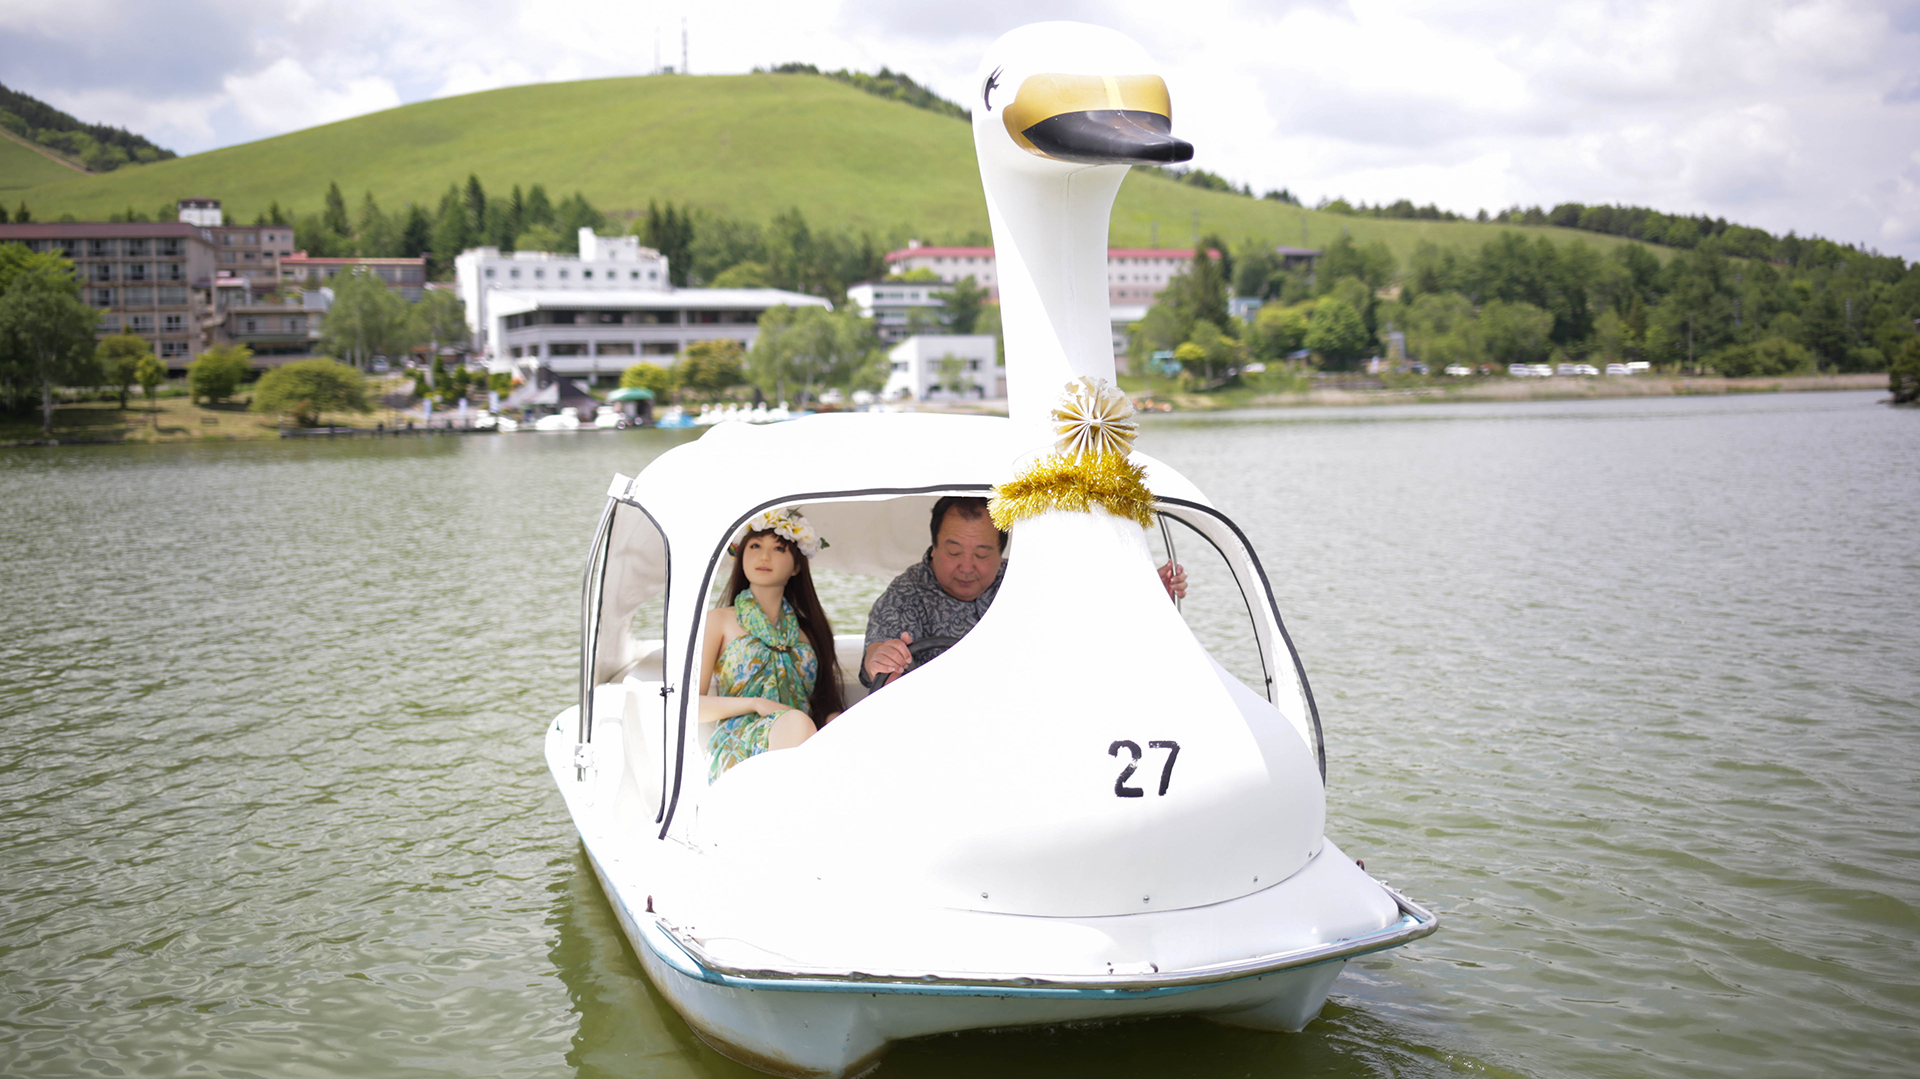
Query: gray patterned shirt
[{"x": 915, "y": 603}]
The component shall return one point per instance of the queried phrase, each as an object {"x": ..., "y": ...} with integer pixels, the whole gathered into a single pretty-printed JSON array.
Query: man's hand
[
  {"x": 1174, "y": 579},
  {"x": 888, "y": 657}
]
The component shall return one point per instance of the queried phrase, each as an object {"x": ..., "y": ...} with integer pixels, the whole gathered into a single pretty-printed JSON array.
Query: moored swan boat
[{"x": 1037, "y": 826}]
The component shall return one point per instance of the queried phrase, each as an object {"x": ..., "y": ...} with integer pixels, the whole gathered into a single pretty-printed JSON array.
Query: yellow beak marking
[{"x": 1043, "y": 97}]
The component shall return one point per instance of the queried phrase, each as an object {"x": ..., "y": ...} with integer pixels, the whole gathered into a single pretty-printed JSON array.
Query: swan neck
[{"x": 1050, "y": 241}]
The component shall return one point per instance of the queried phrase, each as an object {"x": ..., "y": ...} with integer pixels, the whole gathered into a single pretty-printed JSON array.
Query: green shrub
[
  {"x": 1903, "y": 377},
  {"x": 305, "y": 389},
  {"x": 648, "y": 376},
  {"x": 218, "y": 372},
  {"x": 1765, "y": 358}
]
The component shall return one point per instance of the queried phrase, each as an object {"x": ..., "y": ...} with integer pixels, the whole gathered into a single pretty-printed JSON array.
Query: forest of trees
[
  {"x": 892, "y": 85},
  {"x": 97, "y": 146},
  {"x": 1715, "y": 305},
  {"x": 465, "y": 217},
  {"x": 702, "y": 248},
  {"x": 1517, "y": 299}
]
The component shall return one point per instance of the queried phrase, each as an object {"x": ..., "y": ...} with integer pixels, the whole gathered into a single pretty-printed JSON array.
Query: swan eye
[{"x": 1096, "y": 119}]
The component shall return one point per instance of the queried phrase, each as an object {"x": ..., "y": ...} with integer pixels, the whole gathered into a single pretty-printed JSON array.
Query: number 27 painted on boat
[{"x": 1120, "y": 788}]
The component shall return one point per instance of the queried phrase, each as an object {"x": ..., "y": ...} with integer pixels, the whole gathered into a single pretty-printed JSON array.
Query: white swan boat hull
[
  {"x": 1074, "y": 813},
  {"x": 1266, "y": 960}
]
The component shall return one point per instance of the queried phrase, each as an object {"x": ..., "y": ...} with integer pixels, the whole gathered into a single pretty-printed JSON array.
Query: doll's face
[{"x": 767, "y": 559}]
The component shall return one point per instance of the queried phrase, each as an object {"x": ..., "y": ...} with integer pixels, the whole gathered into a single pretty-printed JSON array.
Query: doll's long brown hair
[{"x": 825, "y": 700}]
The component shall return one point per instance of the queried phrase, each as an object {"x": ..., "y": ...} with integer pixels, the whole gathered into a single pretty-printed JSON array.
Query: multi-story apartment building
[
  {"x": 1135, "y": 278},
  {"x": 899, "y": 309},
  {"x": 249, "y": 251},
  {"x": 408, "y": 277},
  {"x": 595, "y": 332},
  {"x": 949, "y": 264},
  {"x": 604, "y": 264},
  {"x": 1135, "y": 275},
  {"x": 276, "y": 332},
  {"x": 921, "y": 367},
  {"x": 149, "y": 278}
]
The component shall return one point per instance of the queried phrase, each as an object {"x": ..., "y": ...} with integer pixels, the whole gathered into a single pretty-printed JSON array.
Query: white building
[
  {"x": 949, "y": 264},
  {"x": 604, "y": 264},
  {"x": 203, "y": 212},
  {"x": 593, "y": 332},
  {"x": 917, "y": 367},
  {"x": 892, "y": 305},
  {"x": 1135, "y": 275}
]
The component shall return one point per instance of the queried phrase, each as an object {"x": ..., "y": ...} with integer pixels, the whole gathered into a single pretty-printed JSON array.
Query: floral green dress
[{"x": 770, "y": 660}]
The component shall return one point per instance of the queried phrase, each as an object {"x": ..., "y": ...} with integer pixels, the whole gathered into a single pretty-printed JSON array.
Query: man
[{"x": 938, "y": 600}]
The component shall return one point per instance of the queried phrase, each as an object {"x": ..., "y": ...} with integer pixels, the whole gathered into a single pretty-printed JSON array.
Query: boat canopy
[
  {"x": 867, "y": 482},
  {"x": 846, "y": 471}
]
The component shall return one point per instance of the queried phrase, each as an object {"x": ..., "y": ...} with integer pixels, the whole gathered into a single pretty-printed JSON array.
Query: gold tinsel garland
[{"x": 1076, "y": 482}]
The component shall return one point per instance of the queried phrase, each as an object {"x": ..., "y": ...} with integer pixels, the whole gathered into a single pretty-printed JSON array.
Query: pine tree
[
  {"x": 335, "y": 218},
  {"x": 416, "y": 236},
  {"x": 476, "y": 204},
  {"x": 539, "y": 210},
  {"x": 450, "y": 233},
  {"x": 670, "y": 232}
]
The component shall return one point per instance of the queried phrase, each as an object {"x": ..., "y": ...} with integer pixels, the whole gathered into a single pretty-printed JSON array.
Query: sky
[{"x": 1784, "y": 115}]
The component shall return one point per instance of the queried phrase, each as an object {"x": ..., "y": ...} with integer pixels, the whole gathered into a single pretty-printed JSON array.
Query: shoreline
[
  {"x": 1499, "y": 388},
  {"x": 1496, "y": 388},
  {"x": 178, "y": 421}
]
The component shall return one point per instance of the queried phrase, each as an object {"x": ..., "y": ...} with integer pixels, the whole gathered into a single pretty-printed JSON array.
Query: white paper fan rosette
[{"x": 1092, "y": 418}]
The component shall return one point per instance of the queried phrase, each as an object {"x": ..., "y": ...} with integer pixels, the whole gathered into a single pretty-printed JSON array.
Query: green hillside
[
  {"x": 741, "y": 146},
  {"x": 23, "y": 167}
]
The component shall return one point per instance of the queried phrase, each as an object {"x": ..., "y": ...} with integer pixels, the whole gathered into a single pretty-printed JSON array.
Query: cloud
[
  {"x": 979, "y": 22},
  {"x": 1797, "y": 114},
  {"x": 287, "y": 96},
  {"x": 157, "y": 50}
]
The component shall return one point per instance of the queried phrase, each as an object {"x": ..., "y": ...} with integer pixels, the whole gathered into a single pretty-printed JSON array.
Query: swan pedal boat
[
  {"x": 1073, "y": 814},
  {"x": 940, "y": 868}
]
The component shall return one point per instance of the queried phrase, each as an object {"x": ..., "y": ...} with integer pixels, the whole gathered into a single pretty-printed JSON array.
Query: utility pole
[
  {"x": 683, "y": 46},
  {"x": 656, "y": 49}
]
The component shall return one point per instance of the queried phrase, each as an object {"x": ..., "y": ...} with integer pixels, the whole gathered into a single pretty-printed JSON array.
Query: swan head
[{"x": 1057, "y": 96}]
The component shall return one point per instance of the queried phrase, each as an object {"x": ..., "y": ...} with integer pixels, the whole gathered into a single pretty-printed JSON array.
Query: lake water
[{"x": 1626, "y": 690}]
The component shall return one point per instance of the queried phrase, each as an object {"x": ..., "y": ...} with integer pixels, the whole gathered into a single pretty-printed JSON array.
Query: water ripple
[{"x": 1625, "y": 689}]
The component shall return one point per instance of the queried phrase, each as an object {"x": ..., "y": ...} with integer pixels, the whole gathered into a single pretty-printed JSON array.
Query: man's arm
[
  {"x": 890, "y": 627},
  {"x": 1174, "y": 579},
  {"x": 889, "y": 657}
]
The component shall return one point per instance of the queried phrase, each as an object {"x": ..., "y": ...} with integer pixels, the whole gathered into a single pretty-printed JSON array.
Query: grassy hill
[
  {"x": 24, "y": 167},
  {"x": 742, "y": 146}
]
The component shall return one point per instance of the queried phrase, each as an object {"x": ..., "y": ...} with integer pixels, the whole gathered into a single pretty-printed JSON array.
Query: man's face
[{"x": 966, "y": 557}]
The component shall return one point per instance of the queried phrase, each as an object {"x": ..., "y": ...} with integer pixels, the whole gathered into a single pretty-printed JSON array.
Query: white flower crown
[{"x": 788, "y": 525}]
